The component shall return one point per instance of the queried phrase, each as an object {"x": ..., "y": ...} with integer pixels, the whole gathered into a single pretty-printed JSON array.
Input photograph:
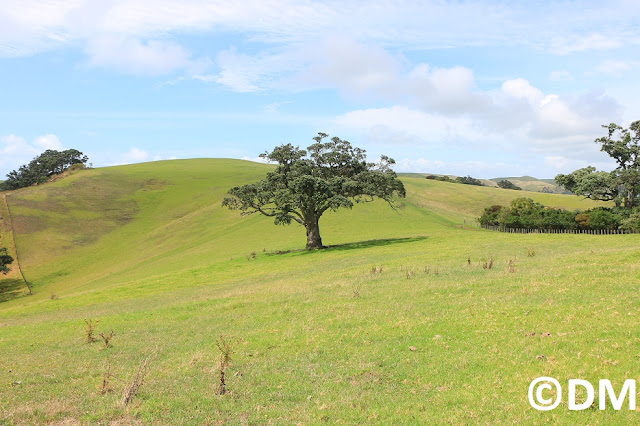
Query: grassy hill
[
  {"x": 317, "y": 336},
  {"x": 527, "y": 183}
]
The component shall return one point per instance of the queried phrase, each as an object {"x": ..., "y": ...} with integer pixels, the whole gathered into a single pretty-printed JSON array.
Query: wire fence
[{"x": 557, "y": 231}]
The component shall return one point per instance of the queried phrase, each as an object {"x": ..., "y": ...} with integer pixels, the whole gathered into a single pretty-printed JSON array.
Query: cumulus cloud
[
  {"x": 135, "y": 155},
  {"x": 517, "y": 117},
  {"x": 16, "y": 150},
  {"x": 49, "y": 142},
  {"x": 402, "y": 125}
]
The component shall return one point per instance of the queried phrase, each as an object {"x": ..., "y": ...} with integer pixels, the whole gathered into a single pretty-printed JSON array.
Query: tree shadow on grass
[
  {"x": 355, "y": 245},
  {"x": 11, "y": 288}
]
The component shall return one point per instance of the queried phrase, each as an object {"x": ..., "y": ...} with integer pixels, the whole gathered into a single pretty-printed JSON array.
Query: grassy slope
[{"x": 148, "y": 250}]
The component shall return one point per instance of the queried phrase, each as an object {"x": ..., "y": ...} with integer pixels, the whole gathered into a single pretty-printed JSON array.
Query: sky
[{"x": 480, "y": 88}]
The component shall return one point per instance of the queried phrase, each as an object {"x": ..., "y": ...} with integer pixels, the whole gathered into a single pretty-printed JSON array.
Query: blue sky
[{"x": 486, "y": 88}]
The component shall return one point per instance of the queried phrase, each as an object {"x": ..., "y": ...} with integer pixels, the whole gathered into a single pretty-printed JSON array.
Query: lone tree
[
  {"x": 305, "y": 184},
  {"x": 622, "y": 184},
  {"x": 5, "y": 260}
]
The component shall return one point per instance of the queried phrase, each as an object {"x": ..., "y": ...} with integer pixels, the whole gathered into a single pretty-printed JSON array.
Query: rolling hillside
[
  {"x": 321, "y": 336},
  {"x": 527, "y": 183}
]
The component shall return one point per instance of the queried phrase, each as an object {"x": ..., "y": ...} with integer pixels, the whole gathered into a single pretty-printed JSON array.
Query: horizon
[{"x": 521, "y": 91}]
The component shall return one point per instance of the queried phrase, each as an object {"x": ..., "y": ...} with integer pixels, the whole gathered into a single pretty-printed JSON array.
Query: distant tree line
[
  {"x": 466, "y": 180},
  {"x": 524, "y": 213},
  {"x": 39, "y": 169}
]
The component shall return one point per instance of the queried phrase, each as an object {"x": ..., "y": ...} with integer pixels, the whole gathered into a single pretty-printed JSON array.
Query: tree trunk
[{"x": 313, "y": 235}]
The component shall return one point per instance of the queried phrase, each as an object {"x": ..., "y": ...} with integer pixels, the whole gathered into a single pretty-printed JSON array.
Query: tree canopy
[
  {"x": 622, "y": 184},
  {"x": 40, "y": 168},
  {"x": 328, "y": 175},
  {"x": 507, "y": 184},
  {"x": 5, "y": 260}
]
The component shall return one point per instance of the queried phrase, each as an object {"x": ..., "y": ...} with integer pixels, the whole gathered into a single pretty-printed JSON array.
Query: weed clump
[
  {"x": 376, "y": 270},
  {"x": 409, "y": 273},
  {"x": 137, "y": 380},
  {"x": 224, "y": 346},
  {"x": 356, "y": 290},
  {"x": 487, "y": 264},
  {"x": 107, "y": 338},
  {"x": 90, "y": 329}
]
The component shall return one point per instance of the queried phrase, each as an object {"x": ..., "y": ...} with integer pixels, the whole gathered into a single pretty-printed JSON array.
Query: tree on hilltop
[
  {"x": 306, "y": 183},
  {"x": 622, "y": 184},
  {"x": 39, "y": 169}
]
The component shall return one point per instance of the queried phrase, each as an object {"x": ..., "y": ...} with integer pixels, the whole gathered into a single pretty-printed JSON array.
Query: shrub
[
  {"x": 632, "y": 223},
  {"x": 491, "y": 215},
  {"x": 603, "y": 219},
  {"x": 468, "y": 180},
  {"x": 582, "y": 220}
]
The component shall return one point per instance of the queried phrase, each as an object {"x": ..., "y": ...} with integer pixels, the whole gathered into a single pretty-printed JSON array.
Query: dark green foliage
[
  {"x": 492, "y": 215},
  {"x": 524, "y": 213},
  {"x": 603, "y": 219},
  {"x": 5, "y": 260},
  {"x": 443, "y": 178},
  {"x": 590, "y": 184},
  {"x": 622, "y": 184},
  {"x": 468, "y": 180},
  {"x": 507, "y": 184},
  {"x": 632, "y": 223},
  {"x": 40, "y": 168},
  {"x": 327, "y": 176}
]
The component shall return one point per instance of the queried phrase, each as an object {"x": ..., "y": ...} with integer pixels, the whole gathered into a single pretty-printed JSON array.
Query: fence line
[
  {"x": 557, "y": 231},
  {"x": 13, "y": 242}
]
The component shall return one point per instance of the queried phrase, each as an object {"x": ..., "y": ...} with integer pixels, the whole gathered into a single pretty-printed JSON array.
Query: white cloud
[
  {"x": 49, "y": 142},
  {"x": 613, "y": 67},
  {"x": 135, "y": 155},
  {"x": 16, "y": 151},
  {"x": 31, "y": 26},
  {"x": 518, "y": 117},
  {"x": 401, "y": 125},
  {"x": 579, "y": 43},
  {"x": 256, "y": 159},
  {"x": 482, "y": 169},
  {"x": 133, "y": 56}
]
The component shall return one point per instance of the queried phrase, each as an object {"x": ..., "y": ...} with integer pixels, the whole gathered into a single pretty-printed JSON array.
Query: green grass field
[{"x": 317, "y": 337}]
